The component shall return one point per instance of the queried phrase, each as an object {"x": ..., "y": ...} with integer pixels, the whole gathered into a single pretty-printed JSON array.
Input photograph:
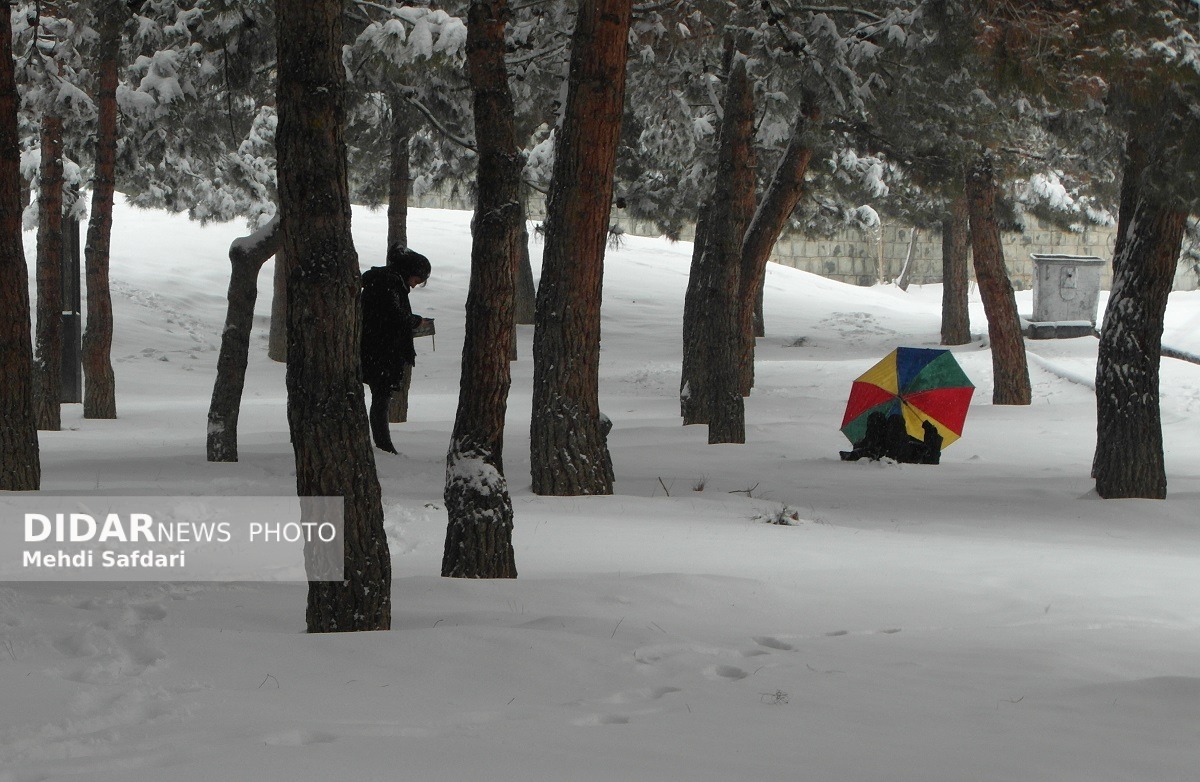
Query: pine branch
[
  {"x": 837, "y": 9},
  {"x": 390, "y": 11},
  {"x": 538, "y": 54},
  {"x": 411, "y": 98}
]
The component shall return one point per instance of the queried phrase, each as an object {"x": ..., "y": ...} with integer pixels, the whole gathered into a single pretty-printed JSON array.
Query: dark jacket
[{"x": 387, "y": 328}]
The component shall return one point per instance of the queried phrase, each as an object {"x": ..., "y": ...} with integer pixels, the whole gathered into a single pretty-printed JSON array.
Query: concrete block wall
[{"x": 865, "y": 257}]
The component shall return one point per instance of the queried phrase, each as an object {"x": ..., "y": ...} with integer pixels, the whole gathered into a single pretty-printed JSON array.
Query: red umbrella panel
[{"x": 922, "y": 384}]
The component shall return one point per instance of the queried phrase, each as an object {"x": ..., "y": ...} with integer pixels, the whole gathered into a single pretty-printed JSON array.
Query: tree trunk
[
  {"x": 326, "y": 412},
  {"x": 399, "y": 184},
  {"x": 1010, "y": 369},
  {"x": 1129, "y": 459},
  {"x": 569, "y": 451},
  {"x": 720, "y": 269},
  {"x": 277, "y": 336},
  {"x": 902, "y": 281},
  {"x": 20, "y": 463},
  {"x": 764, "y": 230},
  {"x": 760, "y": 320},
  {"x": 100, "y": 391},
  {"x": 48, "y": 371},
  {"x": 525, "y": 301},
  {"x": 399, "y": 172},
  {"x": 479, "y": 533},
  {"x": 246, "y": 258},
  {"x": 956, "y": 323},
  {"x": 397, "y": 412},
  {"x": 693, "y": 402}
]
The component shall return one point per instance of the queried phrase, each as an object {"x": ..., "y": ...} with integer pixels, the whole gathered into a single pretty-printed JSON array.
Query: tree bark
[
  {"x": 902, "y": 281},
  {"x": 525, "y": 301},
  {"x": 479, "y": 533},
  {"x": 720, "y": 270},
  {"x": 1129, "y": 460},
  {"x": 99, "y": 391},
  {"x": 399, "y": 184},
  {"x": 277, "y": 336},
  {"x": 569, "y": 451},
  {"x": 764, "y": 230},
  {"x": 1010, "y": 368},
  {"x": 48, "y": 369},
  {"x": 399, "y": 172},
  {"x": 397, "y": 412},
  {"x": 326, "y": 412},
  {"x": 693, "y": 401},
  {"x": 246, "y": 259},
  {"x": 20, "y": 462},
  {"x": 956, "y": 322}
]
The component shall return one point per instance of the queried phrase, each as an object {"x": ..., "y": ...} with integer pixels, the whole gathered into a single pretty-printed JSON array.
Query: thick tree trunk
[
  {"x": 326, "y": 412},
  {"x": 956, "y": 323},
  {"x": 48, "y": 370},
  {"x": 479, "y": 533},
  {"x": 1129, "y": 460},
  {"x": 1010, "y": 368},
  {"x": 569, "y": 450},
  {"x": 764, "y": 230},
  {"x": 277, "y": 336},
  {"x": 720, "y": 269},
  {"x": 246, "y": 258},
  {"x": 20, "y": 463},
  {"x": 99, "y": 381}
]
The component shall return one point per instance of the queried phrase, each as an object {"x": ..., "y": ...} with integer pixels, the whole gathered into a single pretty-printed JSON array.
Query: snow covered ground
[{"x": 988, "y": 618}]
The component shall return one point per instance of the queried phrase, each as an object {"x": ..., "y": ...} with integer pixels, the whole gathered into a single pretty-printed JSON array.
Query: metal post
[{"x": 72, "y": 353}]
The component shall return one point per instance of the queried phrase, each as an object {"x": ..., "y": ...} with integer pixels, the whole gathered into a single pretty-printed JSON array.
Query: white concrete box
[{"x": 1066, "y": 288}]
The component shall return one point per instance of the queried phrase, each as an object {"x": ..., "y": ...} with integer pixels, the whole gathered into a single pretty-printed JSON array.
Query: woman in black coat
[{"x": 387, "y": 331}]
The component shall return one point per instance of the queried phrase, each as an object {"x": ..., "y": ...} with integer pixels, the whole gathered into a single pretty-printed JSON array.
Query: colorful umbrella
[{"x": 923, "y": 384}]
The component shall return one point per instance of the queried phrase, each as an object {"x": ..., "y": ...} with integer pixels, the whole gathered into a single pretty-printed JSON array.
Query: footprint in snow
[
  {"x": 728, "y": 672},
  {"x": 774, "y": 643},
  {"x": 593, "y": 720},
  {"x": 640, "y": 695}
]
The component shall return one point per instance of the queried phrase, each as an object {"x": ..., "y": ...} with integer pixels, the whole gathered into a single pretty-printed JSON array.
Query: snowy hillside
[{"x": 988, "y": 618}]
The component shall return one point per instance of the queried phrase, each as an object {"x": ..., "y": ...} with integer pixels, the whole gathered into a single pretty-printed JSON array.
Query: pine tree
[
  {"x": 956, "y": 323},
  {"x": 246, "y": 258},
  {"x": 1010, "y": 368},
  {"x": 711, "y": 389},
  {"x": 20, "y": 463},
  {"x": 1129, "y": 460},
  {"x": 51, "y": 73},
  {"x": 766, "y": 226},
  {"x": 1154, "y": 99},
  {"x": 729, "y": 214},
  {"x": 99, "y": 390},
  {"x": 198, "y": 105},
  {"x": 569, "y": 452},
  {"x": 479, "y": 533},
  {"x": 1137, "y": 63},
  {"x": 326, "y": 413},
  {"x": 49, "y": 340}
]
